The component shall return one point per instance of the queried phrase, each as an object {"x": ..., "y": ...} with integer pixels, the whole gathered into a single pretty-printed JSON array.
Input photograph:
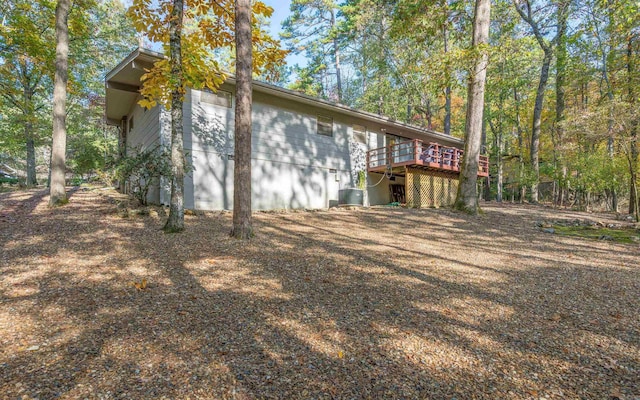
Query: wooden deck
[{"x": 414, "y": 153}]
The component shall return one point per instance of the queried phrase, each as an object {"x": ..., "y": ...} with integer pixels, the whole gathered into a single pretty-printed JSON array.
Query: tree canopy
[{"x": 560, "y": 119}]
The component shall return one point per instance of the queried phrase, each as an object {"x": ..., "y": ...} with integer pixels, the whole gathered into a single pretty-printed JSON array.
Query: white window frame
[{"x": 359, "y": 133}]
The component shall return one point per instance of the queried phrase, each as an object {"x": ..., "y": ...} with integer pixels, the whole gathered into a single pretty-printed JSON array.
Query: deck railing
[{"x": 416, "y": 152}]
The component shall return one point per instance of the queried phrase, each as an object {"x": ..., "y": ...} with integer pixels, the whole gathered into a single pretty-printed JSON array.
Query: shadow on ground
[{"x": 361, "y": 304}]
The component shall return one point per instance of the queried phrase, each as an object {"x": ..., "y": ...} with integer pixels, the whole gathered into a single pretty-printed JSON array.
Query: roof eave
[
  {"x": 130, "y": 58},
  {"x": 296, "y": 96}
]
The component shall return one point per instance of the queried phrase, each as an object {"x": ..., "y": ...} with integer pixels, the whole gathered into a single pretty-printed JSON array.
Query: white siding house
[{"x": 304, "y": 150}]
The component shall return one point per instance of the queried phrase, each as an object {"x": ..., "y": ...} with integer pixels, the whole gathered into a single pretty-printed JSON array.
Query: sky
[{"x": 280, "y": 13}]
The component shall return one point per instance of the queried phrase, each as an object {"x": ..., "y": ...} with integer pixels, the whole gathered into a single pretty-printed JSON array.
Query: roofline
[
  {"x": 132, "y": 56},
  {"x": 293, "y": 95},
  {"x": 282, "y": 92}
]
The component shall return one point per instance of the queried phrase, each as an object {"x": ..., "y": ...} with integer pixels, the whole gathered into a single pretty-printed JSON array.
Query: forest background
[{"x": 561, "y": 112}]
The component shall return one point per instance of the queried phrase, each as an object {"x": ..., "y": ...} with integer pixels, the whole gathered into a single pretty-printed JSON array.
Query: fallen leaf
[{"x": 142, "y": 285}]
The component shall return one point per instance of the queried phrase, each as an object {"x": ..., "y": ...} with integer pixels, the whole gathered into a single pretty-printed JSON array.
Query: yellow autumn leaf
[
  {"x": 211, "y": 26},
  {"x": 142, "y": 285}
]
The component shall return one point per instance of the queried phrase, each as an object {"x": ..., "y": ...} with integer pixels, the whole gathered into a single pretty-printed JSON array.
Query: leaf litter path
[{"x": 380, "y": 303}]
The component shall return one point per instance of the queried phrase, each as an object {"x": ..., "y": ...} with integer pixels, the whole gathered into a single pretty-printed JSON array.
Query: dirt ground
[{"x": 359, "y": 304}]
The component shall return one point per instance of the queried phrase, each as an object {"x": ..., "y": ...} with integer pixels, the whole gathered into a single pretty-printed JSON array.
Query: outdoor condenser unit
[{"x": 350, "y": 197}]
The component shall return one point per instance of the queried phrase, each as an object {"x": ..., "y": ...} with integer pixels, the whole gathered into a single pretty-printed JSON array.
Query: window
[
  {"x": 360, "y": 134},
  {"x": 325, "y": 125},
  {"x": 219, "y": 98}
]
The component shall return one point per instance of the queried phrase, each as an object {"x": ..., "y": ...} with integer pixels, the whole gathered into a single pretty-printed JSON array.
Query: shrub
[{"x": 142, "y": 169}]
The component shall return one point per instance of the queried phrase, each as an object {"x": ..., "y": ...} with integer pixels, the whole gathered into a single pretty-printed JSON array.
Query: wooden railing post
[{"x": 454, "y": 160}]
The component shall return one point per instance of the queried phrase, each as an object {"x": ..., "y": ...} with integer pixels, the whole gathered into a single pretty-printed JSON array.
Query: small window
[
  {"x": 325, "y": 125},
  {"x": 360, "y": 134},
  {"x": 219, "y": 98},
  {"x": 130, "y": 124}
]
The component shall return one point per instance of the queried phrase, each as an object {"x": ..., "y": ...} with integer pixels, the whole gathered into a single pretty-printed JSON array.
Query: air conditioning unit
[{"x": 351, "y": 197}]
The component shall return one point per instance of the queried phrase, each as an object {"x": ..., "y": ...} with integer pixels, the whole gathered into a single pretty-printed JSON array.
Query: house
[{"x": 306, "y": 152}]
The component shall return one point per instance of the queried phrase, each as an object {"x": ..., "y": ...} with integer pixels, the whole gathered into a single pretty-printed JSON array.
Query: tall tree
[
  {"x": 632, "y": 77},
  {"x": 25, "y": 66},
  {"x": 527, "y": 12},
  {"x": 175, "y": 222},
  {"x": 561, "y": 74},
  {"x": 57, "y": 193},
  {"x": 467, "y": 196},
  {"x": 312, "y": 28},
  {"x": 193, "y": 64},
  {"x": 27, "y": 72},
  {"x": 429, "y": 25},
  {"x": 242, "y": 224}
]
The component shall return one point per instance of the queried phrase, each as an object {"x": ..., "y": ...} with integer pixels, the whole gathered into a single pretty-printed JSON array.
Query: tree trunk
[
  {"x": 499, "y": 163},
  {"x": 447, "y": 89},
  {"x": 633, "y": 184},
  {"x": 31, "y": 156},
  {"x": 537, "y": 123},
  {"x": 547, "y": 48},
  {"x": 336, "y": 56},
  {"x": 610, "y": 122},
  {"x": 635, "y": 207},
  {"x": 561, "y": 66},
  {"x": 633, "y": 150},
  {"x": 57, "y": 193},
  {"x": 28, "y": 137},
  {"x": 428, "y": 114},
  {"x": 467, "y": 196},
  {"x": 175, "y": 222},
  {"x": 242, "y": 224},
  {"x": 522, "y": 188},
  {"x": 499, "y": 148}
]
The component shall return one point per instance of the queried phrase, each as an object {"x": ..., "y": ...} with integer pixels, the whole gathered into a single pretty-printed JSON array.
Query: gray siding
[
  {"x": 146, "y": 128},
  {"x": 152, "y": 128},
  {"x": 210, "y": 146},
  {"x": 187, "y": 117},
  {"x": 292, "y": 166},
  {"x": 291, "y": 163},
  {"x": 145, "y": 135}
]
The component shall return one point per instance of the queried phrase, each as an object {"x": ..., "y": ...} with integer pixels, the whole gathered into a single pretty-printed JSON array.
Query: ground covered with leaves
[{"x": 378, "y": 303}]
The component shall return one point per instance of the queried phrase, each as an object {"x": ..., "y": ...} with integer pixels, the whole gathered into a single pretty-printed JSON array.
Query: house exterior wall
[
  {"x": 378, "y": 190},
  {"x": 292, "y": 165},
  {"x": 146, "y": 125},
  {"x": 144, "y": 136},
  {"x": 210, "y": 145}
]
